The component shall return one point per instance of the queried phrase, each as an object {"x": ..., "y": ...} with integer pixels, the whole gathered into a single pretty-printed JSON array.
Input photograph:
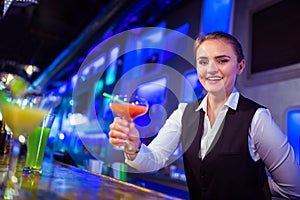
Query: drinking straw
[{"x": 113, "y": 98}]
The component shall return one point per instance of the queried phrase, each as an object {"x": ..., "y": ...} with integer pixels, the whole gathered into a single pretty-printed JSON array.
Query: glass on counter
[{"x": 36, "y": 146}]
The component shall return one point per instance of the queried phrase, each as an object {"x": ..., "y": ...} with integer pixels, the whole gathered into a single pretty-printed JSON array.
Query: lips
[{"x": 214, "y": 78}]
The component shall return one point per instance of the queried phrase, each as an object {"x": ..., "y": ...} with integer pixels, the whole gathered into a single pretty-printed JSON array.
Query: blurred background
[{"x": 53, "y": 44}]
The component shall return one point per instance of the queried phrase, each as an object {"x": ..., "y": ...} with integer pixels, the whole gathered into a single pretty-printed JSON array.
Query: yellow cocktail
[{"x": 22, "y": 120}]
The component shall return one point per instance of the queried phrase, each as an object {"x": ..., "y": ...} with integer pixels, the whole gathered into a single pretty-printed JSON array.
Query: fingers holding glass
[{"x": 119, "y": 134}]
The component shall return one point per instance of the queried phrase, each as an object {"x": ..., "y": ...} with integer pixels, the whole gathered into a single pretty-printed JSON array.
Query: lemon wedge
[{"x": 18, "y": 86}]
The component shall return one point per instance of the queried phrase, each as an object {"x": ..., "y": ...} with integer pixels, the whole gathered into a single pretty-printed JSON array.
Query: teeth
[{"x": 214, "y": 78}]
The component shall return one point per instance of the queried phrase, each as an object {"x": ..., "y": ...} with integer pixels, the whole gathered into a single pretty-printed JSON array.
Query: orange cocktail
[
  {"x": 128, "y": 110},
  {"x": 127, "y": 107}
]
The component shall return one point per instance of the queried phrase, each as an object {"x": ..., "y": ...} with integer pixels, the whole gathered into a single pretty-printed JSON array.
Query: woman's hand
[{"x": 123, "y": 132}]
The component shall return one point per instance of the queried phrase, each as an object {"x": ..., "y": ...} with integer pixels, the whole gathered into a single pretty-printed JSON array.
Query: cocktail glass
[
  {"x": 128, "y": 108},
  {"x": 22, "y": 116},
  {"x": 36, "y": 145}
]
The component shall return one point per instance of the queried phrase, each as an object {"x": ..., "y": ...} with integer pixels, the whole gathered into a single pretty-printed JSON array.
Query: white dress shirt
[{"x": 265, "y": 141}]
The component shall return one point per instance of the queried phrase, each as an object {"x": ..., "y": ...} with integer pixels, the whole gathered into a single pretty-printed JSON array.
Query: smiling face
[{"x": 218, "y": 66}]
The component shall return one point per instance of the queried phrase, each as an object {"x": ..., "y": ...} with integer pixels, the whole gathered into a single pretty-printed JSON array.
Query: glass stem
[
  {"x": 11, "y": 180},
  {"x": 15, "y": 155}
]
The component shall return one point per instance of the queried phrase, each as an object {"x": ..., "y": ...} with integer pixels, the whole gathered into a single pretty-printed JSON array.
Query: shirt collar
[{"x": 231, "y": 102}]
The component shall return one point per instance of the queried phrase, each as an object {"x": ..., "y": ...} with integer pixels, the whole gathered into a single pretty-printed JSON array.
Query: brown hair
[{"x": 237, "y": 47}]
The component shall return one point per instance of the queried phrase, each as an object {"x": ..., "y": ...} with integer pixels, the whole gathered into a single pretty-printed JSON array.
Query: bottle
[{"x": 3, "y": 134}]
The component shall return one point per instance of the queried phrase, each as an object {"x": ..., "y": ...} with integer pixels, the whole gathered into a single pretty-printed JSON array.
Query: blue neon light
[
  {"x": 99, "y": 87},
  {"x": 98, "y": 63},
  {"x": 293, "y": 131},
  {"x": 106, "y": 111},
  {"x": 74, "y": 80},
  {"x": 216, "y": 15},
  {"x": 136, "y": 58},
  {"x": 62, "y": 89},
  {"x": 154, "y": 91},
  {"x": 111, "y": 72}
]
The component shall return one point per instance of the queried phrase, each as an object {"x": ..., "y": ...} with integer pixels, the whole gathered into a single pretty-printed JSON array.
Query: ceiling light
[
  {"x": 8, "y": 3},
  {"x": 30, "y": 69}
]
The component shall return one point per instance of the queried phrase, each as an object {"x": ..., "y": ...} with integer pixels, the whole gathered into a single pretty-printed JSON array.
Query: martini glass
[
  {"x": 128, "y": 108},
  {"x": 22, "y": 116}
]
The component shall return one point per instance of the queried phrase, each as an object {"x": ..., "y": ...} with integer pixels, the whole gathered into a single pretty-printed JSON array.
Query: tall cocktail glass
[
  {"x": 36, "y": 145},
  {"x": 128, "y": 108}
]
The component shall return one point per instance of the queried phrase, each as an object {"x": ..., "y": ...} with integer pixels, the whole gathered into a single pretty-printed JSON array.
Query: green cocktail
[
  {"x": 36, "y": 148},
  {"x": 36, "y": 145}
]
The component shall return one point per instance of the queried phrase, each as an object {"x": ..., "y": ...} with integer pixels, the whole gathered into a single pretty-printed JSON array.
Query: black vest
[{"x": 227, "y": 172}]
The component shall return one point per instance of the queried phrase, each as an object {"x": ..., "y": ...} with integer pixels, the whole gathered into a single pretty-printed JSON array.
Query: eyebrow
[
  {"x": 221, "y": 56},
  {"x": 202, "y": 57}
]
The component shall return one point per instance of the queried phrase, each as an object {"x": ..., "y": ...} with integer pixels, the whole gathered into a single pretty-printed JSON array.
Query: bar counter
[{"x": 62, "y": 181}]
